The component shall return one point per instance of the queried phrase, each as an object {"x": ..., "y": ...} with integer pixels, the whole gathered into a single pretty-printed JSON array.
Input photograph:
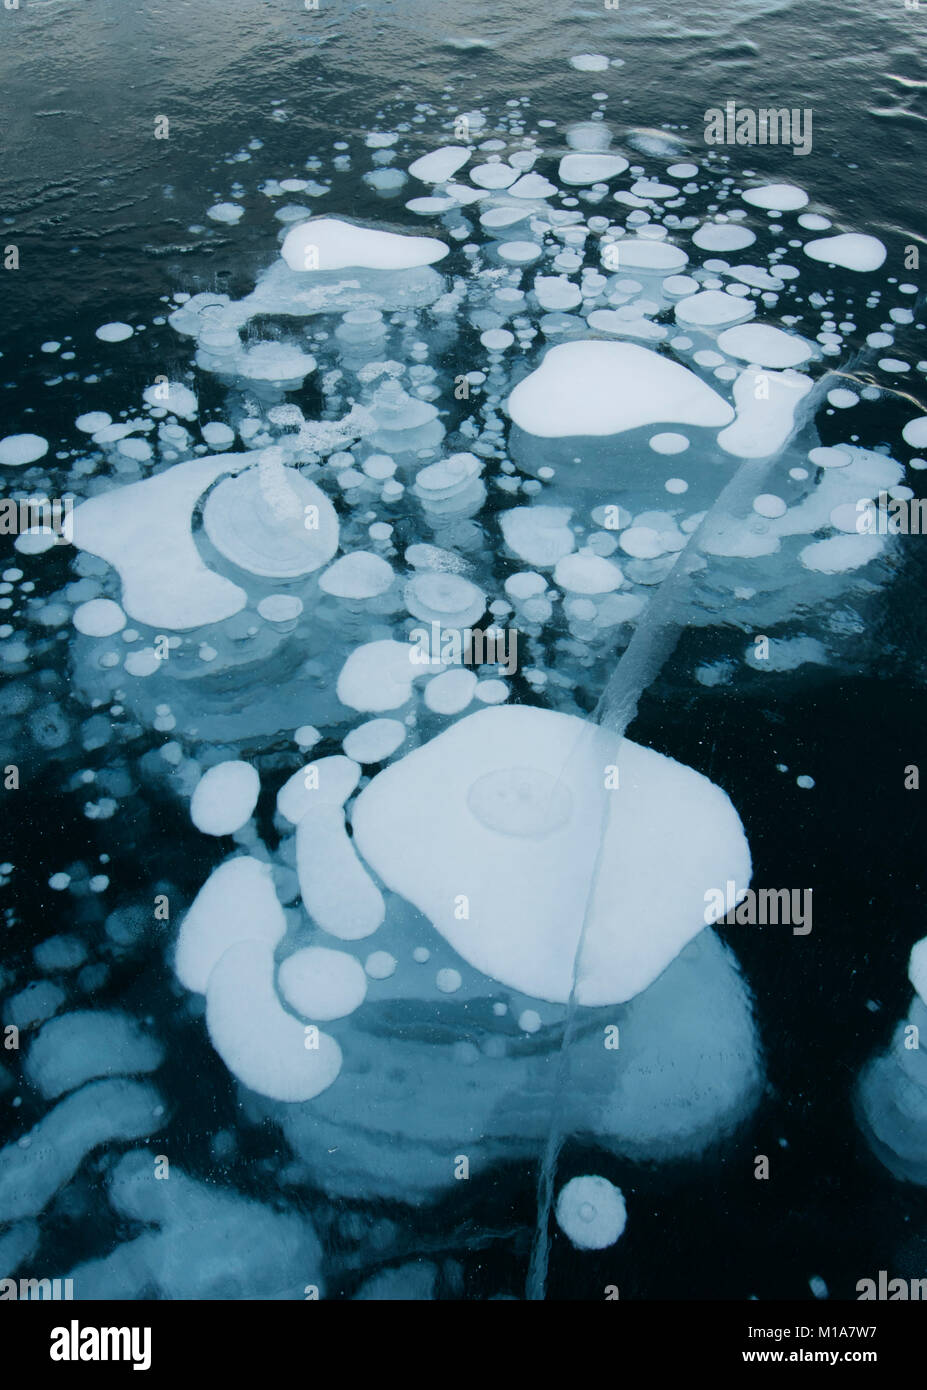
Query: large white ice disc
[{"x": 505, "y": 809}]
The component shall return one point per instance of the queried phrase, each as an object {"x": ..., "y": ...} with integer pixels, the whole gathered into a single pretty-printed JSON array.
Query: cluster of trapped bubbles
[{"x": 587, "y": 386}]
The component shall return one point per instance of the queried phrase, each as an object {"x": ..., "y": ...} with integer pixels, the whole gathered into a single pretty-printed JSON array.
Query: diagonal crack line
[{"x": 651, "y": 645}]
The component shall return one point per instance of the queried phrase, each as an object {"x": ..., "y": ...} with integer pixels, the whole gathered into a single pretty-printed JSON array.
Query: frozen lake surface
[{"x": 462, "y": 698}]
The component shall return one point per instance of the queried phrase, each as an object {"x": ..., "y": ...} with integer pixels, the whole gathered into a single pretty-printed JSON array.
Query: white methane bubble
[
  {"x": 224, "y": 798},
  {"x": 591, "y": 1212}
]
